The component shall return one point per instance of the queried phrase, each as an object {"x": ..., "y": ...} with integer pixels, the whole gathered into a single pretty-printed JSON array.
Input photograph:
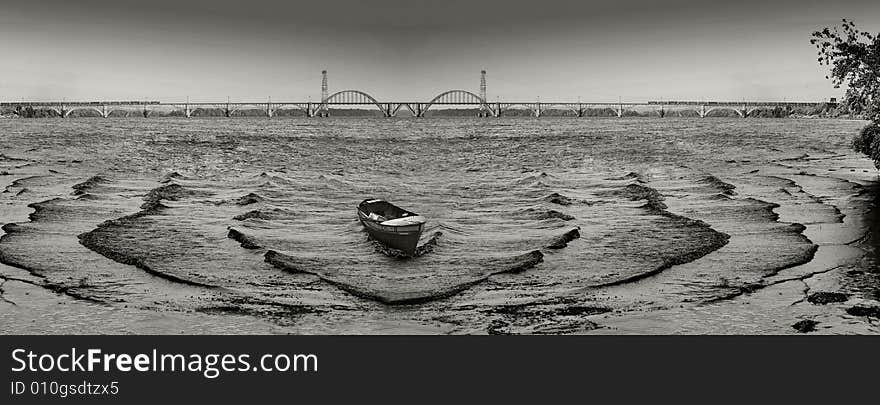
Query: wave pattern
[{"x": 531, "y": 229}]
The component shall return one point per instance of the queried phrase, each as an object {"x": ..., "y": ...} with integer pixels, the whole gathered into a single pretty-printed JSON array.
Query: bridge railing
[
  {"x": 75, "y": 103},
  {"x": 740, "y": 103}
]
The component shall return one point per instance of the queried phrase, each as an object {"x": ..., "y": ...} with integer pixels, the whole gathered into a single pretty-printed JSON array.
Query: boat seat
[{"x": 413, "y": 220}]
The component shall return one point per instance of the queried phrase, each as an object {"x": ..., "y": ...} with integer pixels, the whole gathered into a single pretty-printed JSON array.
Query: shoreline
[
  {"x": 759, "y": 203},
  {"x": 796, "y": 292}
]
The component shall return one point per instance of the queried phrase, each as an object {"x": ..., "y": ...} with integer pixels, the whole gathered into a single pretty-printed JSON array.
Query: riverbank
[
  {"x": 836, "y": 291},
  {"x": 682, "y": 226}
]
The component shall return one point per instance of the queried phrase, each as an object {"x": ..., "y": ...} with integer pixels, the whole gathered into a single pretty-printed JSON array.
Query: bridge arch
[
  {"x": 742, "y": 113},
  {"x": 504, "y": 107},
  {"x": 59, "y": 111},
  {"x": 288, "y": 106},
  {"x": 575, "y": 108},
  {"x": 458, "y": 97},
  {"x": 352, "y": 97},
  {"x": 67, "y": 111}
]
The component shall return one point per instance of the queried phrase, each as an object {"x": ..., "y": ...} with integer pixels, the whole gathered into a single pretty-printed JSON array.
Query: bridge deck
[
  {"x": 76, "y": 103},
  {"x": 280, "y": 103},
  {"x": 391, "y": 108},
  {"x": 739, "y": 103}
]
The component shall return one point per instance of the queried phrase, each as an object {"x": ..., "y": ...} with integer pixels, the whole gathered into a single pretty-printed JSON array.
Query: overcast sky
[{"x": 249, "y": 50}]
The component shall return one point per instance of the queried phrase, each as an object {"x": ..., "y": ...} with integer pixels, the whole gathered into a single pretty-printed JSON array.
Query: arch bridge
[
  {"x": 416, "y": 108},
  {"x": 358, "y": 98},
  {"x": 743, "y": 109}
]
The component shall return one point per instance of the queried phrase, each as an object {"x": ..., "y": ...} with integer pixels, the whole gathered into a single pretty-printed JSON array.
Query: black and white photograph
[{"x": 343, "y": 167}]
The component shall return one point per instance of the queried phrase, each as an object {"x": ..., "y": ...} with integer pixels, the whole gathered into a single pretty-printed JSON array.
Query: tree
[{"x": 854, "y": 58}]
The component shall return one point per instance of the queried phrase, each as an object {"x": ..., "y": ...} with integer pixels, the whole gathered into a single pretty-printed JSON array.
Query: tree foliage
[
  {"x": 854, "y": 58},
  {"x": 867, "y": 141}
]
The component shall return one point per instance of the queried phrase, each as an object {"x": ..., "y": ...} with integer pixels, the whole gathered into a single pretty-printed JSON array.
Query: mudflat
[{"x": 551, "y": 225}]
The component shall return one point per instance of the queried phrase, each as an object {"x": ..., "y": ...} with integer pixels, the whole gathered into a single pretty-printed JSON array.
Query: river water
[{"x": 639, "y": 225}]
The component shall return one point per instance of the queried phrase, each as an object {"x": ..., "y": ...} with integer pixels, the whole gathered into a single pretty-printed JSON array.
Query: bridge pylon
[
  {"x": 323, "y": 110},
  {"x": 483, "y": 94}
]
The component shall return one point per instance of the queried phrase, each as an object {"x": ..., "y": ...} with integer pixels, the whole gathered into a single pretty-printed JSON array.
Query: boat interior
[{"x": 379, "y": 210}]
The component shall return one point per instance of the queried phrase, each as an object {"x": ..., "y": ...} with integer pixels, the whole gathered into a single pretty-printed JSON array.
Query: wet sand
[{"x": 535, "y": 226}]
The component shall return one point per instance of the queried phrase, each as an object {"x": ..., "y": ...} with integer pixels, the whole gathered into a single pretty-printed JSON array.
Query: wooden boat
[{"x": 391, "y": 225}]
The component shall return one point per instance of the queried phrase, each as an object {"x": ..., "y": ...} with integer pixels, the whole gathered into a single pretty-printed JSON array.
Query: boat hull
[{"x": 403, "y": 238}]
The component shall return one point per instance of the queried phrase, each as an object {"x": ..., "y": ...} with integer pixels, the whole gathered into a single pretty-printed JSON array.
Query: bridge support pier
[
  {"x": 486, "y": 111},
  {"x": 105, "y": 112},
  {"x": 414, "y": 108},
  {"x": 394, "y": 108},
  {"x": 323, "y": 110},
  {"x": 703, "y": 113}
]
